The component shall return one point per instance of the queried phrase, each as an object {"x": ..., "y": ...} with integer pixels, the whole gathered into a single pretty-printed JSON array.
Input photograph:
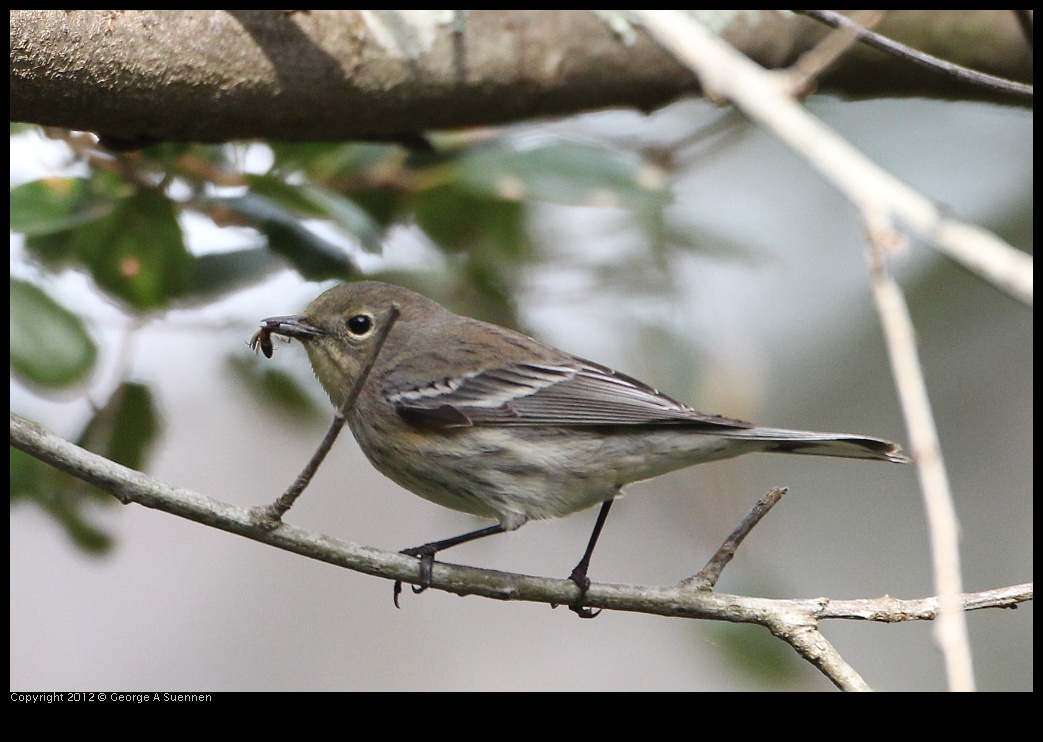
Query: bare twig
[
  {"x": 919, "y": 58},
  {"x": 270, "y": 516},
  {"x": 707, "y": 577},
  {"x": 812, "y": 63},
  {"x": 893, "y": 610}
]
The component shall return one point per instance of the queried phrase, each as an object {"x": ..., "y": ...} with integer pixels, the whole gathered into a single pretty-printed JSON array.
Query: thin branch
[
  {"x": 707, "y": 577},
  {"x": 900, "y": 336},
  {"x": 919, "y": 58},
  {"x": 271, "y": 515},
  {"x": 892, "y": 610},
  {"x": 800, "y": 631},
  {"x": 792, "y": 620},
  {"x": 814, "y": 62}
]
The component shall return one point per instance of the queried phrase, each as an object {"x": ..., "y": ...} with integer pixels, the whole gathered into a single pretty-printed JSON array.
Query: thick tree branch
[{"x": 218, "y": 75}]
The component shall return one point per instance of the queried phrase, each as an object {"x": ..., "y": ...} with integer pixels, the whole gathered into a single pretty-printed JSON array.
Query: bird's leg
[
  {"x": 426, "y": 555},
  {"x": 579, "y": 574}
]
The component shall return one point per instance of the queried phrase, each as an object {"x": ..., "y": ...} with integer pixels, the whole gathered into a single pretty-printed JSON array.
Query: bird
[{"x": 488, "y": 421}]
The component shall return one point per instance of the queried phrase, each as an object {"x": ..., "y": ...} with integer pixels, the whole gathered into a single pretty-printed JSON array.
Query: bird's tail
[{"x": 846, "y": 446}]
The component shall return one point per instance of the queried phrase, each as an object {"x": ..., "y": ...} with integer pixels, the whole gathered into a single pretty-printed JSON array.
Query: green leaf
[
  {"x": 315, "y": 258},
  {"x": 61, "y": 495},
  {"x": 25, "y": 474},
  {"x": 49, "y": 344},
  {"x": 564, "y": 173},
  {"x": 52, "y": 249},
  {"x": 316, "y": 201},
  {"x": 384, "y": 205},
  {"x": 324, "y": 161},
  {"x": 168, "y": 157},
  {"x": 279, "y": 192},
  {"x": 56, "y": 204},
  {"x": 125, "y": 428},
  {"x": 461, "y": 220},
  {"x": 218, "y": 274},
  {"x": 347, "y": 215},
  {"x": 137, "y": 252}
]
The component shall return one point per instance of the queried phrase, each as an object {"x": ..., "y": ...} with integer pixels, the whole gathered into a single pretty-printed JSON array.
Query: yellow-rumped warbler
[{"x": 488, "y": 421}]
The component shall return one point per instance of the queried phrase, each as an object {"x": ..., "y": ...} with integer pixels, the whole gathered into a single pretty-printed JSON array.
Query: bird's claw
[
  {"x": 579, "y": 576},
  {"x": 427, "y": 563}
]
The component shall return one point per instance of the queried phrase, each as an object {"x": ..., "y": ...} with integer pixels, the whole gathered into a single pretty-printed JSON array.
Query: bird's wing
[{"x": 559, "y": 394}]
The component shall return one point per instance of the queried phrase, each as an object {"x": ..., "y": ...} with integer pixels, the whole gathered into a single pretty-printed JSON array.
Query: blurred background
[{"x": 686, "y": 248}]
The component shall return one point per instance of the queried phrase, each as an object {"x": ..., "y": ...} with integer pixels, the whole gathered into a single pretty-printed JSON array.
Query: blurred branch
[
  {"x": 757, "y": 93},
  {"x": 900, "y": 336},
  {"x": 913, "y": 56},
  {"x": 814, "y": 62},
  {"x": 881, "y": 199},
  {"x": 794, "y": 621}
]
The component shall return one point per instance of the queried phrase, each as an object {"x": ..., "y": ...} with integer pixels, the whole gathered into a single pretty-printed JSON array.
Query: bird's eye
[{"x": 360, "y": 324}]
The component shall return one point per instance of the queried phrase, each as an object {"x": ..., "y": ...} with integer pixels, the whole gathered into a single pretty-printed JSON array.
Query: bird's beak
[{"x": 291, "y": 327}]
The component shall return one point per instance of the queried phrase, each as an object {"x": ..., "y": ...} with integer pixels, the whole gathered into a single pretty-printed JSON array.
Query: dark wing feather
[{"x": 580, "y": 393}]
